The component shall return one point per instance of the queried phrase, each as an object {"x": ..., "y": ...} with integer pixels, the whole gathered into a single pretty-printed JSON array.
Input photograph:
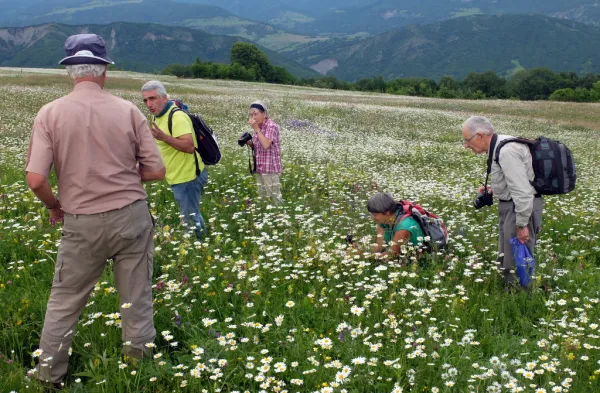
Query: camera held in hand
[
  {"x": 349, "y": 239},
  {"x": 484, "y": 198},
  {"x": 246, "y": 136}
]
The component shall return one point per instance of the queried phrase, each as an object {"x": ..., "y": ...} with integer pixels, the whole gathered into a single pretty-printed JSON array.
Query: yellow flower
[{"x": 570, "y": 356}]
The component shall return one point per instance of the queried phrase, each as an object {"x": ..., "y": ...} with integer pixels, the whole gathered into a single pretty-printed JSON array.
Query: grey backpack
[{"x": 553, "y": 165}]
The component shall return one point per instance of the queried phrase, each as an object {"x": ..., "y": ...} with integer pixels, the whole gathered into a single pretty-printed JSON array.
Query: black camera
[
  {"x": 483, "y": 199},
  {"x": 246, "y": 136},
  {"x": 349, "y": 239}
]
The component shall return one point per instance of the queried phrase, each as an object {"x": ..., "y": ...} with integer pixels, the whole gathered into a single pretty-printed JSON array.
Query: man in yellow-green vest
[{"x": 177, "y": 144}]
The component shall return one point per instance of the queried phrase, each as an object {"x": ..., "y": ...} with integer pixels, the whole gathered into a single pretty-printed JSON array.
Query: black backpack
[
  {"x": 207, "y": 143},
  {"x": 552, "y": 162}
]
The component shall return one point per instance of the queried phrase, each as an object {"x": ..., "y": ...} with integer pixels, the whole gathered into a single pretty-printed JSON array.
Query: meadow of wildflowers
[{"x": 272, "y": 302}]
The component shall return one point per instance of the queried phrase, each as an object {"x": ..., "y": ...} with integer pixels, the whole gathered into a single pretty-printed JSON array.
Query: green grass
[
  {"x": 443, "y": 323},
  {"x": 290, "y": 19},
  {"x": 217, "y": 22},
  {"x": 93, "y": 5},
  {"x": 466, "y": 12},
  {"x": 518, "y": 67},
  {"x": 285, "y": 41}
]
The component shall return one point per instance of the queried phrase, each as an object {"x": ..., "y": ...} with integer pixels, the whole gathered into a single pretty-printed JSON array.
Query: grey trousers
[
  {"x": 125, "y": 236},
  {"x": 269, "y": 186},
  {"x": 508, "y": 229}
]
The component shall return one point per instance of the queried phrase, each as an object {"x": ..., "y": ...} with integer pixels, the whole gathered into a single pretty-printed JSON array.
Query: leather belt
[{"x": 510, "y": 200}]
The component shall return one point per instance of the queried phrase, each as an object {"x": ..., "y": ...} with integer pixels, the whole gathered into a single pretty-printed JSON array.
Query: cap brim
[{"x": 78, "y": 59}]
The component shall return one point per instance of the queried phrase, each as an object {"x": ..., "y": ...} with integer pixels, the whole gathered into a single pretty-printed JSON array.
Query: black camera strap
[
  {"x": 251, "y": 160},
  {"x": 490, "y": 158}
]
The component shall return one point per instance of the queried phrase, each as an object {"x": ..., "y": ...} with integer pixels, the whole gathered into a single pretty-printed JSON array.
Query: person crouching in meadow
[
  {"x": 394, "y": 230},
  {"x": 404, "y": 228},
  {"x": 267, "y": 150}
]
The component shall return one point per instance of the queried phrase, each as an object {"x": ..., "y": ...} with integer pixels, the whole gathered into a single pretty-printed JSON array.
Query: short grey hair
[
  {"x": 382, "y": 202},
  {"x": 475, "y": 124},
  {"x": 263, "y": 105},
  {"x": 77, "y": 71},
  {"x": 155, "y": 85}
]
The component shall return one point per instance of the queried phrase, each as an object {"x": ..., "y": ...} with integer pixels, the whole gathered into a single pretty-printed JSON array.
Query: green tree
[
  {"x": 567, "y": 94},
  {"x": 179, "y": 70},
  {"x": 249, "y": 56},
  {"x": 282, "y": 76},
  {"x": 449, "y": 83},
  {"x": 595, "y": 92},
  {"x": 365, "y": 84},
  {"x": 535, "y": 84},
  {"x": 379, "y": 84},
  {"x": 582, "y": 95},
  {"x": 490, "y": 84}
]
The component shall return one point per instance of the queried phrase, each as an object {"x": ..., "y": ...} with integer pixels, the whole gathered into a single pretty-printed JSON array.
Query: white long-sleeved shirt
[{"x": 511, "y": 179}]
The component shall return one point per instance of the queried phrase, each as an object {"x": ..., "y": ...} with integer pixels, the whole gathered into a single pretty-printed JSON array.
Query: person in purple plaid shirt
[{"x": 265, "y": 142}]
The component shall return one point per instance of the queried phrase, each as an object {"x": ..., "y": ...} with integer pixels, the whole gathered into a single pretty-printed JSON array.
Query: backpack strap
[
  {"x": 522, "y": 141},
  {"x": 404, "y": 211},
  {"x": 170, "y": 123}
]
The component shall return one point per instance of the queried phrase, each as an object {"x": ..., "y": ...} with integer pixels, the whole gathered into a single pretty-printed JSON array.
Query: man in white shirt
[{"x": 520, "y": 207}]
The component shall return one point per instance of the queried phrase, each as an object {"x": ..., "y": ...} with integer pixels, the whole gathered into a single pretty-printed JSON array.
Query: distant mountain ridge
[
  {"x": 212, "y": 19},
  {"x": 377, "y": 16},
  {"x": 209, "y": 18},
  {"x": 137, "y": 47},
  {"x": 458, "y": 46}
]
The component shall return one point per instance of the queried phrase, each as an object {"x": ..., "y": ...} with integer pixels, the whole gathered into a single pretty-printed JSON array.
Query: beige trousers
[
  {"x": 88, "y": 241},
  {"x": 268, "y": 186}
]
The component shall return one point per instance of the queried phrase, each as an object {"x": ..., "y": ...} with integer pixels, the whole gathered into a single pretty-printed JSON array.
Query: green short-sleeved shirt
[
  {"x": 407, "y": 224},
  {"x": 181, "y": 166}
]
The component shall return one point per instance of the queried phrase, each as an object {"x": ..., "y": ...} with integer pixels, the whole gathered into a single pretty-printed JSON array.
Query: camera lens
[
  {"x": 483, "y": 199},
  {"x": 477, "y": 202},
  {"x": 246, "y": 136}
]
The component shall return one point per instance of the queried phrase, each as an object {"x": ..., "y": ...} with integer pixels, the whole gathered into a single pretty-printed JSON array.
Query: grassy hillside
[
  {"x": 137, "y": 47},
  {"x": 458, "y": 46},
  {"x": 283, "y": 13}
]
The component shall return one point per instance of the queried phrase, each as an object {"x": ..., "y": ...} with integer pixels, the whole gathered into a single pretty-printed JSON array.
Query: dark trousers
[{"x": 508, "y": 229}]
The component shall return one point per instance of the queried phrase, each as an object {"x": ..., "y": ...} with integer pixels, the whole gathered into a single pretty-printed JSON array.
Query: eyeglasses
[{"x": 467, "y": 140}]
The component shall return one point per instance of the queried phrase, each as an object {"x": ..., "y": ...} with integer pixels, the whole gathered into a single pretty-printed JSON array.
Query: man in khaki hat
[{"x": 102, "y": 150}]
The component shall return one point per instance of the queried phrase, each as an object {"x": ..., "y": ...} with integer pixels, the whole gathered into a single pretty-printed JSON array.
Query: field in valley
[{"x": 271, "y": 301}]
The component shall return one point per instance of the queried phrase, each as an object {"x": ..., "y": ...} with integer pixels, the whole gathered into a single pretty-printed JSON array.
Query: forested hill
[
  {"x": 455, "y": 47},
  {"x": 137, "y": 47}
]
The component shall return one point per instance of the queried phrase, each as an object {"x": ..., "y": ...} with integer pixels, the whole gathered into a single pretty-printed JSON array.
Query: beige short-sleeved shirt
[{"x": 94, "y": 139}]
